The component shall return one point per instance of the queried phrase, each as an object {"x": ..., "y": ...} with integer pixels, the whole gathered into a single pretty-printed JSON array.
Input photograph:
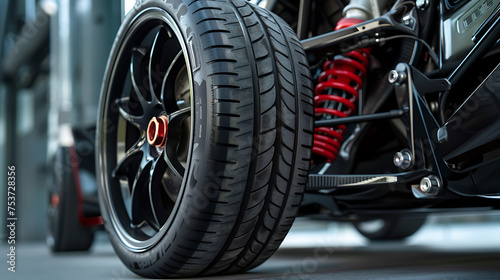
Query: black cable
[
  {"x": 368, "y": 42},
  {"x": 433, "y": 55}
]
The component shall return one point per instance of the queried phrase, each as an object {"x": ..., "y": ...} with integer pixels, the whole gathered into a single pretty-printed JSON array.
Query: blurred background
[{"x": 52, "y": 59}]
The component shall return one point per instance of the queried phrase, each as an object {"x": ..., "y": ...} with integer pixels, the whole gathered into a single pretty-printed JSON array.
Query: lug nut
[{"x": 157, "y": 131}]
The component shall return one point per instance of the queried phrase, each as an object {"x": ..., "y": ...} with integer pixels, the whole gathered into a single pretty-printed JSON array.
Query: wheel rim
[{"x": 146, "y": 135}]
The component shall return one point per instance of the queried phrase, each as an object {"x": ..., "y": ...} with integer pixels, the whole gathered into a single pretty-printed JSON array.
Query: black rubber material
[
  {"x": 65, "y": 233},
  {"x": 253, "y": 128},
  {"x": 395, "y": 228}
]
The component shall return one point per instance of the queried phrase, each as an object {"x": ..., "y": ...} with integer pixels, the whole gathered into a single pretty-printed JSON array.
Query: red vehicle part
[
  {"x": 84, "y": 221},
  {"x": 336, "y": 94}
]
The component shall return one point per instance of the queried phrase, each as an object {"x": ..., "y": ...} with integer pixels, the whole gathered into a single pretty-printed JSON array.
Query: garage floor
[{"x": 447, "y": 247}]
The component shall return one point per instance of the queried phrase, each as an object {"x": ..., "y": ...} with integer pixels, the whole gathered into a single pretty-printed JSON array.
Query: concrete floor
[{"x": 445, "y": 248}]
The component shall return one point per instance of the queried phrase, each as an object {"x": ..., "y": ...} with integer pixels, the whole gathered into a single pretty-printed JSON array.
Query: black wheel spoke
[
  {"x": 172, "y": 181},
  {"x": 127, "y": 197},
  {"x": 174, "y": 140},
  {"x": 154, "y": 71},
  {"x": 138, "y": 191},
  {"x": 171, "y": 154},
  {"x": 176, "y": 169},
  {"x": 136, "y": 76},
  {"x": 124, "y": 111},
  {"x": 168, "y": 98},
  {"x": 175, "y": 119},
  {"x": 159, "y": 214},
  {"x": 133, "y": 153}
]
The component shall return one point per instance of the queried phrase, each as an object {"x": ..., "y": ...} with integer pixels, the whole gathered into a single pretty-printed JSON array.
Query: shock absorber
[{"x": 336, "y": 93}]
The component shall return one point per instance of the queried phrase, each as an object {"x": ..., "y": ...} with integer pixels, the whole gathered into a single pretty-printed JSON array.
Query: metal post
[{"x": 304, "y": 17}]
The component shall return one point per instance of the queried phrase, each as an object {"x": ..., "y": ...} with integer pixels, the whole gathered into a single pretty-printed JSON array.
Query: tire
[
  {"x": 64, "y": 231},
  {"x": 394, "y": 228},
  {"x": 218, "y": 189}
]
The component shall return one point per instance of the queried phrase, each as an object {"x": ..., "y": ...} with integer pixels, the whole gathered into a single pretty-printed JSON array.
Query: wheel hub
[{"x": 157, "y": 131}]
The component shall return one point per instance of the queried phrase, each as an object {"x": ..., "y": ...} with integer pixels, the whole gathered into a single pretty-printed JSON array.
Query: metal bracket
[
  {"x": 411, "y": 87},
  {"x": 331, "y": 181}
]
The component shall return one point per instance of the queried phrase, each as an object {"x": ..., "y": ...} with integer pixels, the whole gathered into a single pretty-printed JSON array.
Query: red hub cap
[{"x": 157, "y": 131}]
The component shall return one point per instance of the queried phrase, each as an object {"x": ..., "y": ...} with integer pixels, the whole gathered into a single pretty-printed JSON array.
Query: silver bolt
[
  {"x": 403, "y": 159},
  {"x": 396, "y": 77},
  {"x": 434, "y": 106},
  {"x": 430, "y": 185},
  {"x": 425, "y": 185},
  {"x": 393, "y": 76}
]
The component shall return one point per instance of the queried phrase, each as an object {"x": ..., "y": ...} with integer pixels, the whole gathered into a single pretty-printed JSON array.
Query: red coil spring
[{"x": 338, "y": 87}]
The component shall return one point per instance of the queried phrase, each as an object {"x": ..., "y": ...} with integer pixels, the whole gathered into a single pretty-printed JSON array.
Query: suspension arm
[
  {"x": 401, "y": 19},
  {"x": 393, "y": 114}
]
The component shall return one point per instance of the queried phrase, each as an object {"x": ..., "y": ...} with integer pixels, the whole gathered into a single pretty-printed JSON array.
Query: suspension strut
[{"x": 336, "y": 93}]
